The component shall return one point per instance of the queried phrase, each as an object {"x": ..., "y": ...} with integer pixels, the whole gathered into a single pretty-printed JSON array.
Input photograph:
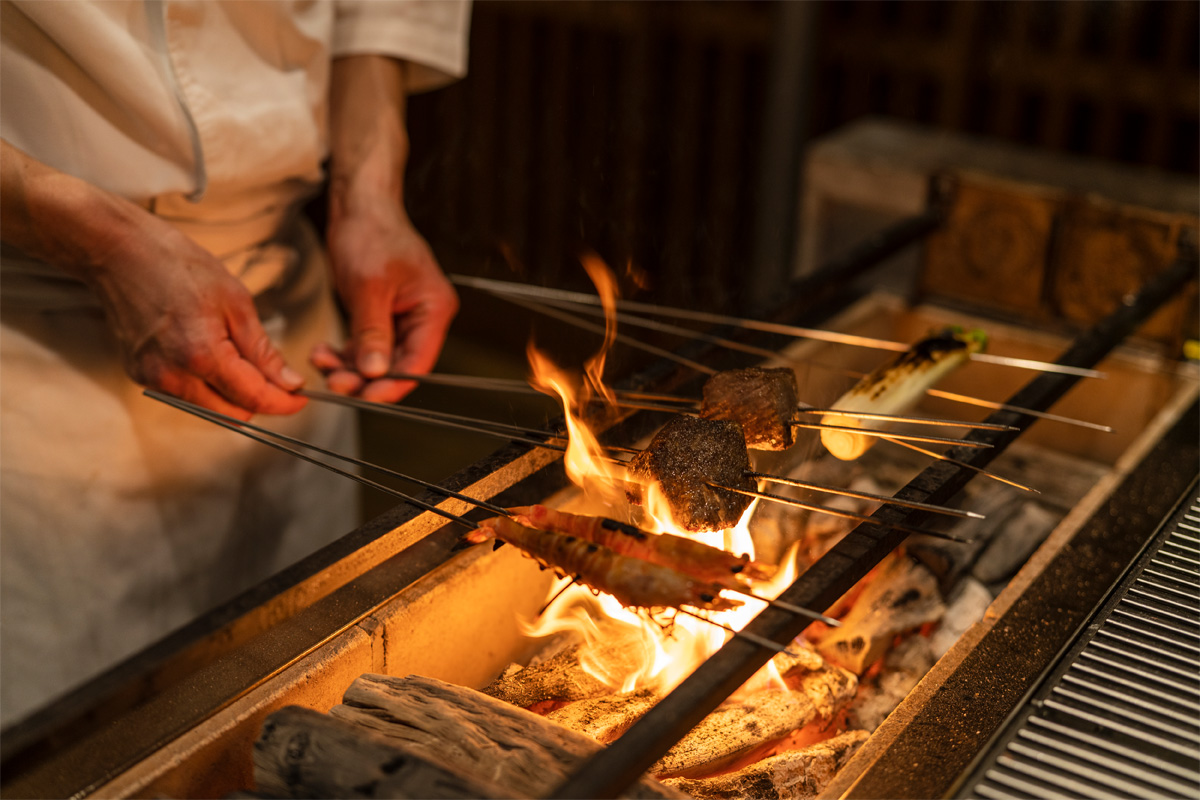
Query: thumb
[{"x": 372, "y": 336}]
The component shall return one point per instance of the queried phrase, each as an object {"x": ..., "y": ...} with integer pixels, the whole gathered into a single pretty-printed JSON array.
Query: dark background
[
  {"x": 668, "y": 137},
  {"x": 666, "y": 133}
]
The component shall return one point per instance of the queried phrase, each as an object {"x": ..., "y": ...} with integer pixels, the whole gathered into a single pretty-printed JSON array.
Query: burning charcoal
[
  {"x": 795, "y": 775},
  {"x": 684, "y": 457},
  {"x": 903, "y": 668},
  {"x": 735, "y": 729},
  {"x": 900, "y": 596},
  {"x": 604, "y": 718},
  {"x": 524, "y": 754},
  {"x": 763, "y": 400},
  {"x": 304, "y": 753},
  {"x": 558, "y": 678}
]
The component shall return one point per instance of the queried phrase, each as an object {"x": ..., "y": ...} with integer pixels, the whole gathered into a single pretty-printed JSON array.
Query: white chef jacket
[{"x": 120, "y": 518}]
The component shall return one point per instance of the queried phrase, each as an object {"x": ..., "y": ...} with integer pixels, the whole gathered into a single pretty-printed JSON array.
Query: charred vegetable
[
  {"x": 897, "y": 386},
  {"x": 687, "y": 456},
  {"x": 762, "y": 400}
]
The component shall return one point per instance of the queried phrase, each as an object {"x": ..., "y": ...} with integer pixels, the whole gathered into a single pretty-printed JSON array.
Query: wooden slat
[
  {"x": 553, "y": 171},
  {"x": 682, "y": 169},
  {"x": 724, "y": 166},
  {"x": 630, "y": 215},
  {"x": 1116, "y": 63},
  {"x": 517, "y": 111}
]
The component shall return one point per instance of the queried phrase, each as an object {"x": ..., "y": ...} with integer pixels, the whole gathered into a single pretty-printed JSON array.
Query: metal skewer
[
  {"x": 949, "y": 423},
  {"x": 793, "y": 608},
  {"x": 544, "y": 294},
  {"x": 963, "y": 464},
  {"x": 662, "y": 327},
  {"x": 468, "y": 423},
  {"x": 437, "y": 417},
  {"x": 750, "y": 637},
  {"x": 910, "y": 437},
  {"x": 620, "y": 337},
  {"x": 953, "y": 396},
  {"x": 816, "y": 487},
  {"x": 542, "y": 308},
  {"x": 787, "y": 501},
  {"x": 237, "y": 425},
  {"x": 975, "y": 401},
  {"x": 660, "y": 402}
]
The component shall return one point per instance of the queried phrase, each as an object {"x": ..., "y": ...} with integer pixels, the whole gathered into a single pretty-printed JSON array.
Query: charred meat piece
[
  {"x": 684, "y": 457},
  {"x": 762, "y": 400}
]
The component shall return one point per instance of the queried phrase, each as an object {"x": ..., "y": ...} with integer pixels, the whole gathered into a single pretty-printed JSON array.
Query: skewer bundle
[{"x": 741, "y": 408}]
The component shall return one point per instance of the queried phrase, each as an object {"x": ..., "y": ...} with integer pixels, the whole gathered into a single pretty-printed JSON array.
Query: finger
[
  {"x": 422, "y": 333},
  {"x": 386, "y": 390},
  {"x": 372, "y": 334},
  {"x": 325, "y": 358},
  {"x": 190, "y": 388},
  {"x": 243, "y": 384},
  {"x": 344, "y": 381},
  {"x": 253, "y": 345}
]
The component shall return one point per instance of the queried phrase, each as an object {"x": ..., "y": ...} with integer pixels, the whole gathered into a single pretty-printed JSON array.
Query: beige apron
[{"x": 121, "y": 518}]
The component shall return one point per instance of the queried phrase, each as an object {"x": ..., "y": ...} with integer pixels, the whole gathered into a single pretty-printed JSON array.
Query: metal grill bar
[{"x": 1121, "y": 727}]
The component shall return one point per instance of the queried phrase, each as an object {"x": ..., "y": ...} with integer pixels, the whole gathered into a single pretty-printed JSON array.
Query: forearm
[
  {"x": 63, "y": 220},
  {"x": 368, "y": 140}
]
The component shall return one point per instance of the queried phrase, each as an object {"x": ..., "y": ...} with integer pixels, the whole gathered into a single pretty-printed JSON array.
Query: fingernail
[
  {"x": 373, "y": 364},
  {"x": 291, "y": 377}
]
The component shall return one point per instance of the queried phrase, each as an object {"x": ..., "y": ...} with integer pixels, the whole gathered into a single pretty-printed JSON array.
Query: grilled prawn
[
  {"x": 635, "y": 583},
  {"x": 688, "y": 556}
]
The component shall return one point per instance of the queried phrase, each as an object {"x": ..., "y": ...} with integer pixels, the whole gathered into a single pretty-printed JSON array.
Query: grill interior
[{"x": 456, "y": 623}]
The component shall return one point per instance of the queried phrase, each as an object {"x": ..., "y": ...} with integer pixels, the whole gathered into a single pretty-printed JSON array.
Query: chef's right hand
[{"x": 185, "y": 326}]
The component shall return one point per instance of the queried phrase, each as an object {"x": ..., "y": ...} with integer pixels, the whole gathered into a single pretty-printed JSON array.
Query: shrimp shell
[
  {"x": 635, "y": 583},
  {"x": 689, "y": 556}
]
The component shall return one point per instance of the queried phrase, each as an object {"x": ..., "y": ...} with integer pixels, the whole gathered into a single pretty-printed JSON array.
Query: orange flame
[{"x": 671, "y": 649}]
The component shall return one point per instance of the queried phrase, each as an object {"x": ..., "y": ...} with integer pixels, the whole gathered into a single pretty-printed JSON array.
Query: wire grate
[{"x": 1121, "y": 717}]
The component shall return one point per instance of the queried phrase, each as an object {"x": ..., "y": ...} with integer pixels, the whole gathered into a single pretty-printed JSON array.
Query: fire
[{"x": 671, "y": 646}]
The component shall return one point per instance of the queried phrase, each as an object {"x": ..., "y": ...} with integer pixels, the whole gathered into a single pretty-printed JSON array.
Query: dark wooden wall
[
  {"x": 629, "y": 129},
  {"x": 1114, "y": 79},
  {"x": 638, "y": 129}
]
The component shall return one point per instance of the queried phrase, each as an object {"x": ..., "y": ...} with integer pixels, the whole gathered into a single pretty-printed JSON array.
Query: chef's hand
[
  {"x": 398, "y": 301},
  {"x": 185, "y": 326},
  {"x": 189, "y": 328}
]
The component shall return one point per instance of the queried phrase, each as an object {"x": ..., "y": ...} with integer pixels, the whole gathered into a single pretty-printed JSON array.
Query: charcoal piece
[
  {"x": 684, "y": 457},
  {"x": 763, "y": 400}
]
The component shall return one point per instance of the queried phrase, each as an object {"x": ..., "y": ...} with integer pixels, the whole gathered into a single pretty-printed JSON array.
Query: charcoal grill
[{"x": 178, "y": 719}]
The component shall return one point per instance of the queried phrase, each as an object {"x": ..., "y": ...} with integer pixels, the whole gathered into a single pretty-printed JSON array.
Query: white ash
[
  {"x": 1012, "y": 545},
  {"x": 966, "y": 606},
  {"x": 903, "y": 668}
]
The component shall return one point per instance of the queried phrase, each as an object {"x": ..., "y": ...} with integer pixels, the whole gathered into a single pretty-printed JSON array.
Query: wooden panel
[
  {"x": 1103, "y": 253},
  {"x": 994, "y": 247}
]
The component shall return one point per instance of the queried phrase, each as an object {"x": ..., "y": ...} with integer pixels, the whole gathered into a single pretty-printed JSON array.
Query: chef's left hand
[{"x": 398, "y": 301}]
